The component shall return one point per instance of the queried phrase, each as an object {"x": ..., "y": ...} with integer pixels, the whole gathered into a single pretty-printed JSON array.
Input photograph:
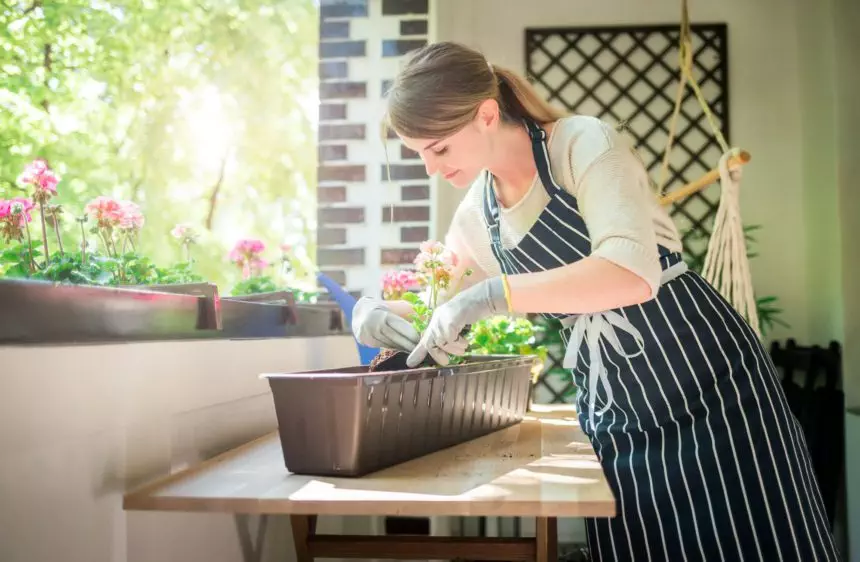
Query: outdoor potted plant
[
  {"x": 383, "y": 414},
  {"x": 105, "y": 288},
  {"x": 259, "y": 291}
]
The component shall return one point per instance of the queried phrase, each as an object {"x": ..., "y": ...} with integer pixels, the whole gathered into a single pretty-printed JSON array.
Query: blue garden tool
[{"x": 346, "y": 303}]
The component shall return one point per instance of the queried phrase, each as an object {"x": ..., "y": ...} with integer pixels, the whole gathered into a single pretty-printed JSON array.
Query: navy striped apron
[{"x": 683, "y": 407}]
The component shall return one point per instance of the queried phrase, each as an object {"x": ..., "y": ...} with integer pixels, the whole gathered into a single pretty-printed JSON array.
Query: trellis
[{"x": 629, "y": 75}]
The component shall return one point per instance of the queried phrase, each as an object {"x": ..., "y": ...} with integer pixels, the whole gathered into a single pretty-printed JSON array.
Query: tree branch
[
  {"x": 47, "y": 62},
  {"x": 213, "y": 198}
]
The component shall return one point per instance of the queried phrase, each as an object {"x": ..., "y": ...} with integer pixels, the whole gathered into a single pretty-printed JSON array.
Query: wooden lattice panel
[{"x": 628, "y": 76}]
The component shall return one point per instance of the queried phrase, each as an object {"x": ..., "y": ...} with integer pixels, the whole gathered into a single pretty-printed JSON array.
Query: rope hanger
[{"x": 726, "y": 262}]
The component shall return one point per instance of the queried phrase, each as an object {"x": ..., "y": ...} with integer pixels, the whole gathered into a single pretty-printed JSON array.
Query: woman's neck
[{"x": 513, "y": 165}]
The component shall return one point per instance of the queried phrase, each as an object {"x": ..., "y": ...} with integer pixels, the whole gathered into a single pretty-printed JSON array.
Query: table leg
[
  {"x": 304, "y": 527},
  {"x": 546, "y": 537},
  {"x": 252, "y": 549}
]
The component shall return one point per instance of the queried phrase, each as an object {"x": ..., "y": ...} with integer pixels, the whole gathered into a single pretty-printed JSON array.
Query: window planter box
[
  {"x": 41, "y": 312},
  {"x": 349, "y": 422}
]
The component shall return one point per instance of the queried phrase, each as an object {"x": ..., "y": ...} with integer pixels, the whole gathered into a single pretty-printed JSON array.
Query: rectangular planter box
[
  {"x": 41, "y": 312},
  {"x": 278, "y": 315},
  {"x": 349, "y": 422}
]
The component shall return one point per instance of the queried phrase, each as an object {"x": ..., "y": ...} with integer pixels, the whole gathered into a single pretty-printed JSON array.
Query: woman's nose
[{"x": 430, "y": 165}]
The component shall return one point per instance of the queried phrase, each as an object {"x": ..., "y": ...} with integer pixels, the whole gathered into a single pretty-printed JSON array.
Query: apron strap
[{"x": 491, "y": 204}]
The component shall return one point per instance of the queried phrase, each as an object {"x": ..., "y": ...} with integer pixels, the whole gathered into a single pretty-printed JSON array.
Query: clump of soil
[{"x": 394, "y": 360}]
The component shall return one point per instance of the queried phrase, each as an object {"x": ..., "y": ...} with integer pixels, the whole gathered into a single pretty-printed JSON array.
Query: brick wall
[{"x": 366, "y": 225}]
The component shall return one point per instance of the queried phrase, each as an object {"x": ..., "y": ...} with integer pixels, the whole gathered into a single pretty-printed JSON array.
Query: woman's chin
[{"x": 460, "y": 180}]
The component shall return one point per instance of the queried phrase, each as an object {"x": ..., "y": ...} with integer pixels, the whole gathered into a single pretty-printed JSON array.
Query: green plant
[
  {"x": 255, "y": 285},
  {"x": 500, "y": 335}
]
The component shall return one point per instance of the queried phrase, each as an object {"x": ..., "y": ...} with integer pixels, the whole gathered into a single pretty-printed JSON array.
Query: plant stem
[
  {"x": 44, "y": 231},
  {"x": 57, "y": 232},
  {"x": 30, "y": 245},
  {"x": 83, "y": 244},
  {"x": 103, "y": 236}
]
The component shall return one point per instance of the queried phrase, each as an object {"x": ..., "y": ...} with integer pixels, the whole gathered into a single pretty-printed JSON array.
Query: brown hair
[{"x": 439, "y": 90}]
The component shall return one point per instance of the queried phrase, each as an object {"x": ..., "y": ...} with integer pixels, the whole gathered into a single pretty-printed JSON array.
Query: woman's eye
[{"x": 441, "y": 151}]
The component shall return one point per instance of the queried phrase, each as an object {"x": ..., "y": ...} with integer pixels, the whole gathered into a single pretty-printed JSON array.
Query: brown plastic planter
[{"x": 348, "y": 422}]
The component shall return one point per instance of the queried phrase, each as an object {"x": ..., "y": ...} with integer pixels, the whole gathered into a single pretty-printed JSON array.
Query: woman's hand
[
  {"x": 442, "y": 336},
  {"x": 376, "y": 325}
]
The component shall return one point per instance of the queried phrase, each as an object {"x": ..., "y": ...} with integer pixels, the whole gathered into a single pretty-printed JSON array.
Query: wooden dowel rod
[{"x": 704, "y": 181}]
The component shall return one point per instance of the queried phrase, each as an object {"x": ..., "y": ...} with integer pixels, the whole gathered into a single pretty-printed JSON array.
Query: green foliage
[
  {"x": 421, "y": 314},
  {"x": 502, "y": 335},
  {"x": 200, "y": 111},
  {"x": 93, "y": 269},
  {"x": 266, "y": 284},
  {"x": 499, "y": 335},
  {"x": 255, "y": 285}
]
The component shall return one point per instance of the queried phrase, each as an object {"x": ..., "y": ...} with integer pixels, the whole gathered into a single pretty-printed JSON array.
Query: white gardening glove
[
  {"x": 375, "y": 325},
  {"x": 442, "y": 336}
]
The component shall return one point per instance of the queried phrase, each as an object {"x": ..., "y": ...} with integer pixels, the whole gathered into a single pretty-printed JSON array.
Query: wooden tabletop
[{"x": 541, "y": 467}]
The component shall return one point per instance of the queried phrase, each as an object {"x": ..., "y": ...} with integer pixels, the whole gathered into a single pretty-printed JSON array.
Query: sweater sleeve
[{"x": 615, "y": 200}]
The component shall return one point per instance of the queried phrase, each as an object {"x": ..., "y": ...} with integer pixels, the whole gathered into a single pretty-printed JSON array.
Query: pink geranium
[
  {"x": 42, "y": 178},
  {"x": 131, "y": 218},
  {"x": 15, "y": 214},
  {"x": 246, "y": 254},
  {"x": 396, "y": 283},
  {"x": 107, "y": 212},
  {"x": 435, "y": 264}
]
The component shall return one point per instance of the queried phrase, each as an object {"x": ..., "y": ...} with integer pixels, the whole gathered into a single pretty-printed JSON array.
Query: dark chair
[{"x": 812, "y": 380}]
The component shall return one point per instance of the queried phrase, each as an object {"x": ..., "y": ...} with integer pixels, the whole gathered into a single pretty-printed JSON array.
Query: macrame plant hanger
[{"x": 726, "y": 264}]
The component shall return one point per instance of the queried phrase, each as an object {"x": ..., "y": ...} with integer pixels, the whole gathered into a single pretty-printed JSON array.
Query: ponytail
[{"x": 520, "y": 100}]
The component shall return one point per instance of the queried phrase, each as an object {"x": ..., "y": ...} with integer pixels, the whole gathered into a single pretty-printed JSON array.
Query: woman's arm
[
  {"x": 592, "y": 284},
  {"x": 616, "y": 203}
]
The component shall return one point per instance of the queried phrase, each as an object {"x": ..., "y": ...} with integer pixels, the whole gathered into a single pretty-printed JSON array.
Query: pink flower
[
  {"x": 396, "y": 283},
  {"x": 435, "y": 264},
  {"x": 21, "y": 207},
  {"x": 246, "y": 250},
  {"x": 106, "y": 211},
  {"x": 42, "y": 178},
  {"x": 14, "y": 216},
  {"x": 131, "y": 217},
  {"x": 184, "y": 232},
  {"x": 246, "y": 254}
]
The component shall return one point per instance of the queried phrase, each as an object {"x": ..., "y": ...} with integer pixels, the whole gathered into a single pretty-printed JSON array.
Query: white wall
[
  {"x": 846, "y": 18},
  {"x": 79, "y": 425},
  {"x": 765, "y": 110}
]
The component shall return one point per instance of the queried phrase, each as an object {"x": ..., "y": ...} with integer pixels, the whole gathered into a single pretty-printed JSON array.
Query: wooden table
[{"x": 543, "y": 467}]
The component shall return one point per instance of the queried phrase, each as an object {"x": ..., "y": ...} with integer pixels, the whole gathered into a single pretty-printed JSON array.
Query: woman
[{"x": 678, "y": 396}]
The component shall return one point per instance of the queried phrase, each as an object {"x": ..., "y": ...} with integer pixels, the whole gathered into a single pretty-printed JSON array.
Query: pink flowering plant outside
[
  {"x": 109, "y": 252},
  {"x": 261, "y": 276},
  {"x": 434, "y": 274}
]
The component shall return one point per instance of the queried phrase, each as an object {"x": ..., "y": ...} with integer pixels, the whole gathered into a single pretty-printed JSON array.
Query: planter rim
[{"x": 360, "y": 374}]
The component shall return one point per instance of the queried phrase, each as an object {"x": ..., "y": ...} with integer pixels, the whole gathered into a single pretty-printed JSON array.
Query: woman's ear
[{"x": 488, "y": 116}]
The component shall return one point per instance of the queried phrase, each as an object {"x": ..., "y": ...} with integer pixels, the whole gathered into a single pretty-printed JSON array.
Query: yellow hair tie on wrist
[{"x": 507, "y": 288}]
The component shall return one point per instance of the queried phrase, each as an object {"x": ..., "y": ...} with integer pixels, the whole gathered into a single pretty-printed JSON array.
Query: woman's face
[{"x": 460, "y": 157}]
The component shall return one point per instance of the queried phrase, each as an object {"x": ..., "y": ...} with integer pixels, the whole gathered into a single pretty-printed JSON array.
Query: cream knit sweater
[{"x": 594, "y": 163}]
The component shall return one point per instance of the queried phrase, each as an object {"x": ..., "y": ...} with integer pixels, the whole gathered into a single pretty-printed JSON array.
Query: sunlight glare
[{"x": 209, "y": 128}]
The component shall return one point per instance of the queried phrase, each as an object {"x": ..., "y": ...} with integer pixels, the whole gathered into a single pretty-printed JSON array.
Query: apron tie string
[{"x": 597, "y": 330}]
